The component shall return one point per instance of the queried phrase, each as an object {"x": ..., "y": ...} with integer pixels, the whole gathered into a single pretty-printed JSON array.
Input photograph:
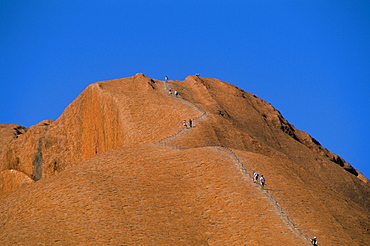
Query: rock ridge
[{"x": 117, "y": 167}]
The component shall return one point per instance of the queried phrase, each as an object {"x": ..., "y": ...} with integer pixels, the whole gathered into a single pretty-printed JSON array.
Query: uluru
[{"x": 119, "y": 167}]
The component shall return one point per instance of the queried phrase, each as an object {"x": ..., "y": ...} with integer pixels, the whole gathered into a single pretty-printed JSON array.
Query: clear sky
[{"x": 309, "y": 58}]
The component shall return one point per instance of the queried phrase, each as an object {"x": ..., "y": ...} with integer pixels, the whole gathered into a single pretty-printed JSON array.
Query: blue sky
[{"x": 309, "y": 59}]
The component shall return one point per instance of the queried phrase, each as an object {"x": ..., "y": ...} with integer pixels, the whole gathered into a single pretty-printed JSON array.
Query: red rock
[{"x": 118, "y": 168}]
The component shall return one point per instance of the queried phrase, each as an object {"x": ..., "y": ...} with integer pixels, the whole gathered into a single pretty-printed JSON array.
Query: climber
[
  {"x": 314, "y": 241},
  {"x": 255, "y": 177},
  {"x": 184, "y": 123},
  {"x": 262, "y": 179},
  {"x": 190, "y": 123}
]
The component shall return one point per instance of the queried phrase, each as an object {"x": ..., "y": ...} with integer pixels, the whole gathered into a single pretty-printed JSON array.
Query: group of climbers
[
  {"x": 262, "y": 179},
  {"x": 176, "y": 94},
  {"x": 185, "y": 124}
]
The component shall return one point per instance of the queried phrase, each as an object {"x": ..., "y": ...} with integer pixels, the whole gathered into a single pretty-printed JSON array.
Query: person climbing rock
[
  {"x": 166, "y": 79},
  {"x": 170, "y": 92},
  {"x": 314, "y": 241},
  {"x": 262, "y": 180},
  {"x": 184, "y": 123},
  {"x": 176, "y": 93},
  {"x": 190, "y": 123},
  {"x": 255, "y": 177}
]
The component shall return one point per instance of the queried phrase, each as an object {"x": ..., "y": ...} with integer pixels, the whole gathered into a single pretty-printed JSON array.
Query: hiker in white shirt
[{"x": 262, "y": 180}]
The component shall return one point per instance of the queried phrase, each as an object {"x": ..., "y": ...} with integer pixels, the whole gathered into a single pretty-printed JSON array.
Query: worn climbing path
[{"x": 166, "y": 142}]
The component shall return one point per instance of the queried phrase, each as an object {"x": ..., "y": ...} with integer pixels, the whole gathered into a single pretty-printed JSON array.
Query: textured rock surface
[
  {"x": 118, "y": 168},
  {"x": 11, "y": 180},
  {"x": 10, "y": 132}
]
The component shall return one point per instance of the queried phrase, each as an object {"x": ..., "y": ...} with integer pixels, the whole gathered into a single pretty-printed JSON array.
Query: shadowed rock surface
[{"x": 118, "y": 168}]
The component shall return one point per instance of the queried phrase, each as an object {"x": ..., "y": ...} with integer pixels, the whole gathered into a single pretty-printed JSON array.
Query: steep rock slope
[
  {"x": 10, "y": 132},
  {"x": 146, "y": 195},
  {"x": 118, "y": 168},
  {"x": 106, "y": 115},
  {"x": 11, "y": 178}
]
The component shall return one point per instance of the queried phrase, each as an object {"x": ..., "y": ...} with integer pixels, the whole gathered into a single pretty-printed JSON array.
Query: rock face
[
  {"x": 118, "y": 168},
  {"x": 10, "y": 132}
]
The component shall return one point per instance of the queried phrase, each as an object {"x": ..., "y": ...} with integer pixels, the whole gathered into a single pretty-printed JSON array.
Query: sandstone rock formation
[{"x": 118, "y": 168}]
